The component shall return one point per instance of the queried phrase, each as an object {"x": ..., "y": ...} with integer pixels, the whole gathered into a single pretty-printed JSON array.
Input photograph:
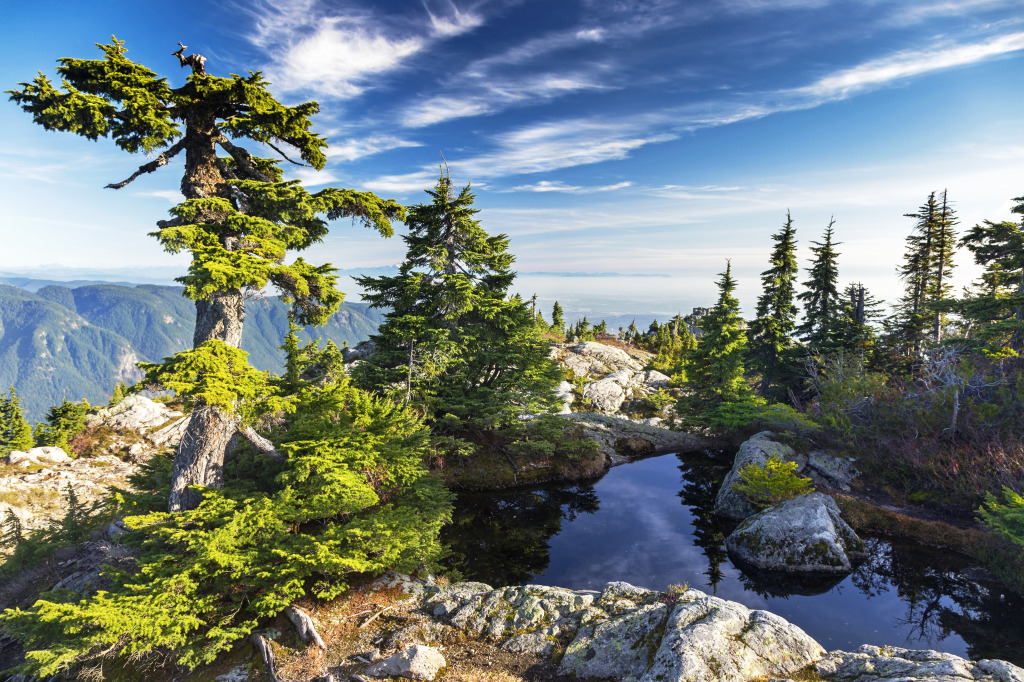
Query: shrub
[
  {"x": 772, "y": 483},
  {"x": 1006, "y": 519}
]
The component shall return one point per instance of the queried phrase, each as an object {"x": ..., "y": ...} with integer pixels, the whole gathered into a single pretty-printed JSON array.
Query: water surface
[{"x": 650, "y": 523}]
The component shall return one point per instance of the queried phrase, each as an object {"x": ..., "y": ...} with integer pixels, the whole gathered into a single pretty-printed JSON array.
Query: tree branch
[
  {"x": 261, "y": 443},
  {"x": 196, "y": 62},
  {"x": 304, "y": 624},
  {"x": 152, "y": 165},
  {"x": 243, "y": 158},
  {"x": 285, "y": 156}
]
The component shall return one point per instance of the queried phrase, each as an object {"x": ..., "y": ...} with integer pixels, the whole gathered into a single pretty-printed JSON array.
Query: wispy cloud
[
  {"x": 339, "y": 52},
  {"x": 172, "y": 195},
  {"x": 351, "y": 148},
  {"x": 559, "y": 186}
]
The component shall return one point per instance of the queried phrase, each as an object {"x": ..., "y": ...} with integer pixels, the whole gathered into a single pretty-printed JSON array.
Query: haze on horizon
[{"x": 651, "y": 137}]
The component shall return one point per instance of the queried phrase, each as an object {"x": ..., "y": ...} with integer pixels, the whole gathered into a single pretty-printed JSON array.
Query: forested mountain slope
[{"x": 78, "y": 342}]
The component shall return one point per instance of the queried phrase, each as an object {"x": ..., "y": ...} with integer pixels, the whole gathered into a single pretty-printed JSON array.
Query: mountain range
[{"x": 77, "y": 340}]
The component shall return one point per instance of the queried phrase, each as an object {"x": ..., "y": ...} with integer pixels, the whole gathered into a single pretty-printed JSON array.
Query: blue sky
[{"x": 639, "y": 137}]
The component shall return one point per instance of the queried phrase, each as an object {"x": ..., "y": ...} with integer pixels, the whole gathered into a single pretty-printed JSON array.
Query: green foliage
[
  {"x": 773, "y": 356},
  {"x": 455, "y": 342},
  {"x": 548, "y": 437},
  {"x": 120, "y": 390},
  {"x": 352, "y": 498},
  {"x": 1006, "y": 518},
  {"x": 822, "y": 303},
  {"x": 15, "y": 433},
  {"x": 215, "y": 373},
  {"x": 733, "y": 416},
  {"x": 557, "y": 318},
  {"x": 63, "y": 422},
  {"x": 715, "y": 373},
  {"x": 772, "y": 483}
]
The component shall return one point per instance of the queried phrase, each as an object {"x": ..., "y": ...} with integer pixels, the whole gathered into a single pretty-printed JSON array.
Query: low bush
[{"x": 776, "y": 481}]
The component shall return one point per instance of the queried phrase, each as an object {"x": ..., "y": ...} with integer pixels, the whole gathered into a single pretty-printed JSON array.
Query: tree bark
[
  {"x": 200, "y": 457},
  {"x": 220, "y": 318}
]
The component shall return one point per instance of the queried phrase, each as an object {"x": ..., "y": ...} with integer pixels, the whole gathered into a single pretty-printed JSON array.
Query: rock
[
  {"x": 620, "y": 649},
  {"x": 513, "y": 610},
  {"x": 415, "y": 663},
  {"x": 709, "y": 639},
  {"x": 134, "y": 413},
  {"x": 37, "y": 456},
  {"x": 756, "y": 450},
  {"x": 564, "y": 393},
  {"x": 634, "y": 447},
  {"x": 838, "y": 471},
  {"x": 406, "y": 583},
  {"x": 593, "y": 359},
  {"x": 427, "y": 632},
  {"x": 878, "y": 664},
  {"x": 606, "y": 395},
  {"x": 444, "y": 602},
  {"x": 535, "y": 643},
  {"x": 608, "y": 430},
  {"x": 170, "y": 435},
  {"x": 802, "y": 535},
  {"x": 239, "y": 673}
]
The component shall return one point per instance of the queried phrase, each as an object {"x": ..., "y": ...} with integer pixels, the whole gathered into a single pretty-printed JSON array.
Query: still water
[{"x": 650, "y": 523}]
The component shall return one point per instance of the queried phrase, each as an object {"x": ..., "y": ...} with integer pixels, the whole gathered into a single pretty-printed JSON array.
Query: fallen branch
[
  {"x": 377, "y": 615},
  {"x": 261, "y": 444},
  {"x": 304, "y": 624}
]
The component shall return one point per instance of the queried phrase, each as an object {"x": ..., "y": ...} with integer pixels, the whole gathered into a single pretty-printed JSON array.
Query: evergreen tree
[
  {"x": 15, "y": 433},
  {"x": 557, "y": 318},
  {"x": 120, "y": 390},
  {"x": 772, "y": 355},
  {"x": 945, "y": 248},
  {"x": 63, "y": 422},
  {"x": 716, "y": 371},
  {"x": 822, "y": 303},
  {"x": 238, "y": 219},
  {"x": 454, "y": 339},
  {"x": 601, "y": 328},
  {"x": 12, "y": 533},
  {"x": 860, "y": 312},
  {"x": 994, "y": 309}
]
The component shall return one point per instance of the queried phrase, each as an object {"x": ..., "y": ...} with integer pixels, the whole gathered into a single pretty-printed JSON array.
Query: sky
[{"x": 650, "y": 138}]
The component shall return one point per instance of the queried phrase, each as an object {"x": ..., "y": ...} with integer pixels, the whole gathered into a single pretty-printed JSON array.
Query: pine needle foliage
[
  {"x": 772, "y": 354},
  {"x": 15, "y": 433},
  {"x": 63, "y": 422},
  {"x": 822, "y": 302},
  {"x": 455, "y": 341},
  {"x": 1005, "y": 518},
  {"x": 352, "y": 498},
  {"x": 771, "y": 483}
]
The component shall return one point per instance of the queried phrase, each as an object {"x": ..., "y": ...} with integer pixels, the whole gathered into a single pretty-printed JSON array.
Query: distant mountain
[{"x": 79, "y": 341}]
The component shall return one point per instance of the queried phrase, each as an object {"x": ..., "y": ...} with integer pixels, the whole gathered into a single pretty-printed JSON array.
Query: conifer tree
[
  {"x": 120, "y": 390},
  {"x": 455, "y": 341},
  {"x": 557, "y": 318},
  {"x": 716, "y": 370},
  {"x": 15, "y": 433},
  {"x": 238, "y": 220},
  {"x": 772, "y": 354},
  {"x": 945, "y": 248},
  {"x": 63, "y": 422},
  {"x": 822, "y": 303},
  {"x": 995, "y": 307}
]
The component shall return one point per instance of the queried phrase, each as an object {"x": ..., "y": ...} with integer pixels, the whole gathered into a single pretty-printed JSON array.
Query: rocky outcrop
[
  {"x": 593, "y": 360},
  {"x": 879, "y": 664},
  {"x": 622, "y": 439},
  {"x": 135, "y": 413},
  {"x": 802, "y": 535},
  {"x": 729, "y": 503},
  {"x": 41, "y": 456},
  {"x": 612, "y": 376},
  {"x": 838, "y": 471},
  {"x": 418, "y": 662}
]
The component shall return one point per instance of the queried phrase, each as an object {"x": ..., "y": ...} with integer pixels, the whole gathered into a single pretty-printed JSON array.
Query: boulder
[
  {"x": 593, "y": 359},
  {"x": 418, "y": 662},
  {"x": 878, "y": 664},
  {"x": 38, "y": 456},
  {"x": 729, "y": 503},
  {"x": 134, "y": 413},
  {"x": 606, "y": 395},
  {"x": 170, "y": 435},
  {"x": 564, "y": 393},
  {"x": 708, "y": 639},
  {"x": 526, "y": 608},
  {"x": 838, "y": 471},
  {"x": 803, "y": 535}
]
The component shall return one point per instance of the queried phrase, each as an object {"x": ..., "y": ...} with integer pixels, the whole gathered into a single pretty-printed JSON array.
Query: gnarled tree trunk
[{"x": 200, "y": 457}]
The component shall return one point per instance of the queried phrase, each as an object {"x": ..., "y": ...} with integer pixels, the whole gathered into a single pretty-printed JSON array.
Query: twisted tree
[{"x": 238, "y": 220}]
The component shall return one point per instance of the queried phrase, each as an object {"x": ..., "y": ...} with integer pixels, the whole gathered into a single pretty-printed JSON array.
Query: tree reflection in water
[
  {"x": 944, "y": 594},
  {"x": 502, "y": 538},
  {"x": 703, "y": 474}
]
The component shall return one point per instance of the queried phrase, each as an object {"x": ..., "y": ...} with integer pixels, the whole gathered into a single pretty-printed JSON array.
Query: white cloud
[
  {"x": 351, "y": 149},
  {"x": 172, "y": 195},
  {"x": 451, "y": 21},
  {"x": 311, "y": 177},
  {"x": 559, "y": 186}
]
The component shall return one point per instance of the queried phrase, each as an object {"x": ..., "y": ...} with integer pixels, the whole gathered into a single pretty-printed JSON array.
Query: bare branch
[
  {"x": 243, "y": 158},
  {"x": 261, "y": 443},
  {"x": 196, "y": 62},
  {"x": 152, "y": 165},
  {"x": 285, "y": 156},
  {"x": 261, "y": 645},
  {"x": 304, "y": 624}
]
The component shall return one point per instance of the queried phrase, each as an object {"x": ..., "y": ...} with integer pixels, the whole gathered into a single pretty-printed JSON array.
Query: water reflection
[{"x": 651, "y": 523}]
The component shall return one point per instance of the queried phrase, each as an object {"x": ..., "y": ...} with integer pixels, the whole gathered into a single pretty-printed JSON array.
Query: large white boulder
[
  {"x": 38, "y": 456},
  {"x": 803, "y": 535},
  {"x": 134, "y": 413},
  {"x": 418, "y": 662},
  {"x": 894, "y": 664}
]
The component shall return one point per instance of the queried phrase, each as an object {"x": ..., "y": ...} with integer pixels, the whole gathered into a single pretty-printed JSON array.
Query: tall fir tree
[
  {"x": 822, "y": 302},
  {"x": 238, "y": 219},
  {"x": 716, "y": 370},
  {"x": 994, "y": 308},
  {"x": 945, "y": 248},
  {"x": 15, "y": 433},
  {"x": 772, "y": 354},
  {"x": 454, "y": 340},
  {"x": 557, "y": 318}
]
